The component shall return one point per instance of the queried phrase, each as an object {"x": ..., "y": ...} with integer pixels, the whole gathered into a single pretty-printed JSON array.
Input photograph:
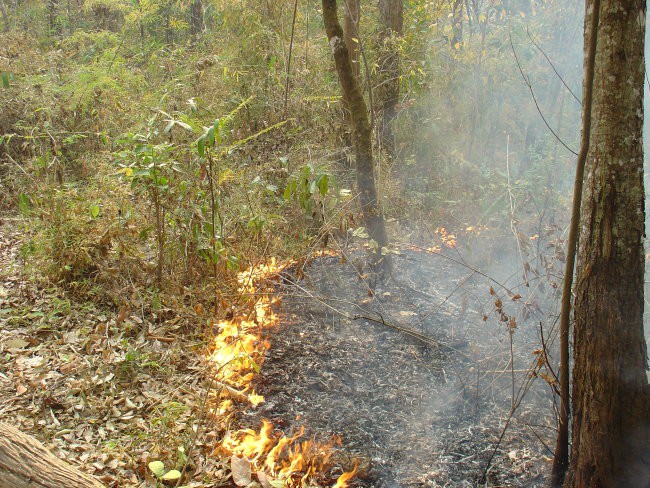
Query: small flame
[
  {"x": 342, "y": 481},
  {"x": 448, "y": 239}
]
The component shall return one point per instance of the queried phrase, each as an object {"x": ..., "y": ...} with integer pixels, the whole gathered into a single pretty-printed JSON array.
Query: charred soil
[{"x": 414, "y": 375}]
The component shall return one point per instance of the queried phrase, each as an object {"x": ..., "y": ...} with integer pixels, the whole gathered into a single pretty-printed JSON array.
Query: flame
[
  {"x": 278, "y": 455},
  {"x": 342, "y": 481},
  {"x": 448, "y": 239},
  {"x": 237, "y": 354}
]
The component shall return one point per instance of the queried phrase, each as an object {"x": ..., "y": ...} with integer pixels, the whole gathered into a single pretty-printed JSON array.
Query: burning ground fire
[{"x": 237, "y": 354}]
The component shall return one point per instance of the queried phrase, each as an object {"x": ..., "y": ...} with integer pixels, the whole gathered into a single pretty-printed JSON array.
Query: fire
[
  {"x": 342, "y": 482},
  {"x": 448, "y": 239},
  {"x": 237, "y": 354}
]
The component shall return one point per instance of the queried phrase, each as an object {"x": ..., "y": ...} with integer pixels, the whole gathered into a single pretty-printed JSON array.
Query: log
[{"x": 26, "y": 463}]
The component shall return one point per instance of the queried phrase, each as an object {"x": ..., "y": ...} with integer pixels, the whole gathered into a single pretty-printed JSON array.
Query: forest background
[{"x": 156, "y": 149}]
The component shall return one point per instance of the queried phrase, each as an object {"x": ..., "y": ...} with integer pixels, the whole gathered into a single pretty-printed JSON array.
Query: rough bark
[
  {"x": 392, "y": 20},
  {"x": 611, "y": 427},
  {"x": 352, "y": 10},
  {"x": 360, "y": 128},
  {"x": 25, "y": 463}
]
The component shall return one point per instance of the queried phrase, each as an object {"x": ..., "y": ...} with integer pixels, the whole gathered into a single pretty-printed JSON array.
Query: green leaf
[
  {"x": 94, "y": 211},
  {"x": 322, "y": 182},
  {"x": 209, "y": 137},
  {"x": 5, "y": 79},
  {"x": 157, "y": 468},
  {"x": 200, "y": 145},
  {"x": 23, "y": 203},
  {"x": 171, "y": 475}
]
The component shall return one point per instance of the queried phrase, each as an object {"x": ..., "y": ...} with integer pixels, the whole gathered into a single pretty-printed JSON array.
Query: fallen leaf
[
  {"x": 241, "y": 470},
  {"x": 16, "y": 344}
]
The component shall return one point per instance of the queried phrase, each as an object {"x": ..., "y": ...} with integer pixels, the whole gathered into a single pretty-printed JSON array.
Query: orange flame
[
  {"x": 237, "y": 353},
  {"x": 342, "y": 481}
]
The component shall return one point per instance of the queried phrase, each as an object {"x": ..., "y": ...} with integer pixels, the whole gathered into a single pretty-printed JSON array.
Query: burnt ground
[{"x": 417, "y": 413}]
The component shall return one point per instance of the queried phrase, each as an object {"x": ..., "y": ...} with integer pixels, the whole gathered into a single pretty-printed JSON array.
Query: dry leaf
[{"x": 241, "y": 470}]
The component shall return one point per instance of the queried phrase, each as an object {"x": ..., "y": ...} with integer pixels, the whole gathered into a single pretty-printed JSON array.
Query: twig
[
  {"x": 552, "y": 66},
  {"x": 286, "y": 83},
  {"x": 532, "y": 93}
]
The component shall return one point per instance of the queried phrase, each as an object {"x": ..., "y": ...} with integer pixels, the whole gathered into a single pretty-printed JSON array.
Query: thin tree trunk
[
  {"x": 611, "y": 398},
  {"x": 392, "y": 20},
  {"x": 353, "y": 97},
  {"x": 5, "y": 15},
  {"x": 561, "y": 454},
  {"x": 196, "y": 20}
]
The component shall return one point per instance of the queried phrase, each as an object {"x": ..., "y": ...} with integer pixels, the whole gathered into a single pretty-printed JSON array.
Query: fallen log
[{"x": 26, "y": 463}]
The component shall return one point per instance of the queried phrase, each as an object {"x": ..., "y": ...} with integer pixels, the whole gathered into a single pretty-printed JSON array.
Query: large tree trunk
[
  {"x": 361, "y": 129},
  {"x": 392, "y": 20},
  {"x": 611, "y": 427},
  {"x": 25, "y": 463}
]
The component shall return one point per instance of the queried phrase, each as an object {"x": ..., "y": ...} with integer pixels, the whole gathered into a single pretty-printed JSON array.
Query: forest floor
[{"x": 417, "y": 377}]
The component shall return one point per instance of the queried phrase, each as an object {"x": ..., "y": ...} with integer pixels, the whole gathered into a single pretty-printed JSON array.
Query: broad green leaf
[
  {"x": 323, "y": 184},
  {"x": 5, "y": 79},
  {"x": 172, "y": 474},
  {"x": 157, "y": 468},
  {"x": 209, "y": 137},
  {"x": 94, "y": 211}
]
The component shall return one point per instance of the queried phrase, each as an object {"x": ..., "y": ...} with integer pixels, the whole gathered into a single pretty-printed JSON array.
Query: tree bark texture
[
  {"x": 352, "y": 11},
  {"x": 360, "y": 126},
  {"x": 611, "y": 426},
  {"x": 25, "y": 463},
  {"x": 392, "y": 20}
]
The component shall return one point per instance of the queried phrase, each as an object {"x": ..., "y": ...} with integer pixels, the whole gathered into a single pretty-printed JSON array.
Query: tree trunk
[
  {"x": 392, "y": 20},
  {"x": 196, "y": 20},
  {"x": 5, "y": 15},
  {"x": 25, "y": 463},
  {"x": 611, "y": 428},
  {"x": 361, "y": 129},
  {"x": 352, "y": 15}
]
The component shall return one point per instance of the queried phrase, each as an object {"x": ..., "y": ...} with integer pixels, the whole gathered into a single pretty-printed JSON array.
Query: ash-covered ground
[{"x": 424, "y": 406}]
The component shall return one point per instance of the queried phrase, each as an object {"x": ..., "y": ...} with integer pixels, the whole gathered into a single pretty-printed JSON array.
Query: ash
[{"x": 415, "y": 377}]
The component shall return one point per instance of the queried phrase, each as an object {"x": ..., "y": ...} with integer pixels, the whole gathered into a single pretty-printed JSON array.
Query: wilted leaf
[{"x": 241, "y": 470}]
